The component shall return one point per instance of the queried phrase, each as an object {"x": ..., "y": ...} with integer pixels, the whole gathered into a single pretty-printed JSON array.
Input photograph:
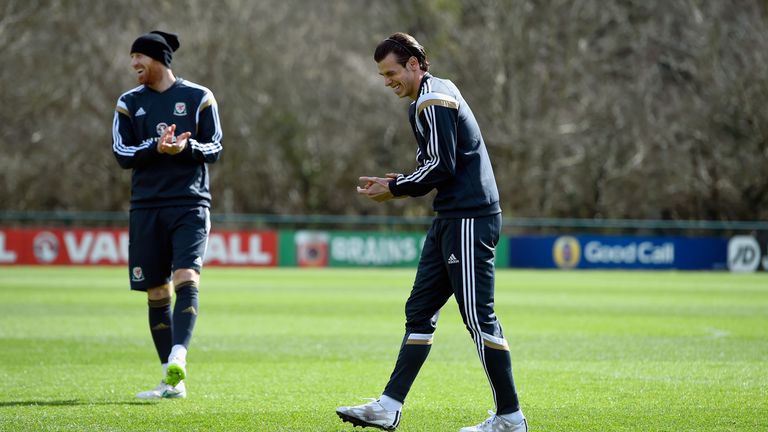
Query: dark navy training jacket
[
  {"x": 162, "y": 180},
  {"x": 451, "y": 154}
]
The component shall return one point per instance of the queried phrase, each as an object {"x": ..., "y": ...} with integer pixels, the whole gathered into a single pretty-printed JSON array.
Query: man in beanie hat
[{"x": 167, "y": 131}]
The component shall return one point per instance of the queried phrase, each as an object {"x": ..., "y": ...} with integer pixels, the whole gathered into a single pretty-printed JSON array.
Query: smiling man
[
  {"x": 458, "y": 254},
  {"x": 167, "y": 131}
]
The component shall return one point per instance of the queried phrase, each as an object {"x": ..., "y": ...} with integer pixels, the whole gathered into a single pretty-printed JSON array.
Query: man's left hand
[
  {"x": 173, "y": 145},
  {"x": 376, "y": 188}
]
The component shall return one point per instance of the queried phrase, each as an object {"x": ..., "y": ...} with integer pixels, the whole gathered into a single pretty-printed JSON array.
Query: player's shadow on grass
[{"x": 71, "y": 402}]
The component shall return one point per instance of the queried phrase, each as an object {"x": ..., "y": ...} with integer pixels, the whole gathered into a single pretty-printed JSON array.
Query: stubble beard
[{"x": 149, "y": 77}]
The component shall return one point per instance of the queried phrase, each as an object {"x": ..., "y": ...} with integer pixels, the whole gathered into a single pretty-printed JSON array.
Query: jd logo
[{"x": 744, "y": 254}]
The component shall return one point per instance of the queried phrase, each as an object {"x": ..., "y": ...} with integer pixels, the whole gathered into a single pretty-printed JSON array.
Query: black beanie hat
[{"x": 158, "y": 45}]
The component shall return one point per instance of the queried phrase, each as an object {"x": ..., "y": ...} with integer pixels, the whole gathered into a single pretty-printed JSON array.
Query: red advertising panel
[
  {"x": 110, "y": 247},
  {"x": 242, "y": 248}
]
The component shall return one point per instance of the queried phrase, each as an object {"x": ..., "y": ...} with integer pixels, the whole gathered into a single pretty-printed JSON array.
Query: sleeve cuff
[{"x": 394, "y": 189}]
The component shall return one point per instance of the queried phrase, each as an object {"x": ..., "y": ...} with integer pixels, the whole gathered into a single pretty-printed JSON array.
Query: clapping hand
[
  {"x": 170, "y": 144},
  {"x": 377, "y": 188}
]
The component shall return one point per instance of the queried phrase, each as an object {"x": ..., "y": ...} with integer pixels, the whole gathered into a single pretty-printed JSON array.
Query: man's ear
[{"x": 413, "y": 64}]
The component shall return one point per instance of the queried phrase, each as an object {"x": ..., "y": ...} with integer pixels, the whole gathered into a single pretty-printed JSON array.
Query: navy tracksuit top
[
  {"x": 451, "y": 154},
  {"x": 162, "y": 180}
]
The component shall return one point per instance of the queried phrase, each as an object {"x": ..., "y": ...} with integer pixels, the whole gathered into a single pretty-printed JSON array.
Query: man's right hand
[{"x": 376, "y": 188}]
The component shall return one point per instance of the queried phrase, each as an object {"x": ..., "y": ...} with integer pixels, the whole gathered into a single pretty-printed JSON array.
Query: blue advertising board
[{"x": 618, "y": 252}]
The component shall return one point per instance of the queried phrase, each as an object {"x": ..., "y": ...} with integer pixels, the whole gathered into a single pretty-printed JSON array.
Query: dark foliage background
[{"x": 592, "y": 108}]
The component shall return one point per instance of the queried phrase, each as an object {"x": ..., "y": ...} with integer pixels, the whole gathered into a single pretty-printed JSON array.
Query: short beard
[{"x": 151, "y": 76}]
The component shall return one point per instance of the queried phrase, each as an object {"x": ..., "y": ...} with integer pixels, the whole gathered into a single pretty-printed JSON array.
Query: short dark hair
[{"x": 404, "y": 46}]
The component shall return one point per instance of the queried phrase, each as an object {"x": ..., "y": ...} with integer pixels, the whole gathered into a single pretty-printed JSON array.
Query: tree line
[{"x": 591, "y": 108}]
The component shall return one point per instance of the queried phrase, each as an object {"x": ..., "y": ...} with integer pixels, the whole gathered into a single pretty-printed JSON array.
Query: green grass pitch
[{"x": 279, "y": 349}]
